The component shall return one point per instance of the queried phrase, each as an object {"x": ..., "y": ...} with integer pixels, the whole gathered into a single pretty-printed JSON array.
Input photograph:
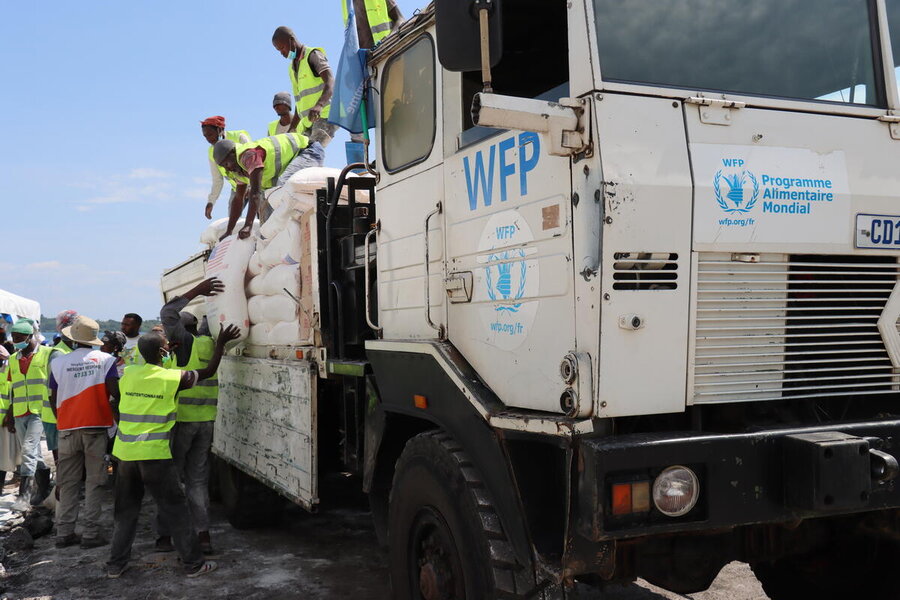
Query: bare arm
[
  {"x": 253, "y": 205},
  {"x": 234, "y": 211}
]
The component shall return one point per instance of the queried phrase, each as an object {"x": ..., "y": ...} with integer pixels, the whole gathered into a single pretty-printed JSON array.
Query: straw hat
[{"x": 84, "y": 331}]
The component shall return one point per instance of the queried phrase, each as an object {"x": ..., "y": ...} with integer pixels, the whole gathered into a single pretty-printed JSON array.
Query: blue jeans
[{"x": 29, "y": 430}]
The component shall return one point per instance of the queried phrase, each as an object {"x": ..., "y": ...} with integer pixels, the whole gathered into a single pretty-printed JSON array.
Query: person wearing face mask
[
  {"x": 193, "y": 432},
  {"x": 281, "y": 103},
  {"x": 213, "y": 130},
  {"x": 147, "y": 411},
  {"x": 312, "y": 84},
  {"x": 114, "y": 344},
  {"x": 9, "y": 445},
  {"x": 28, "y": 375}
]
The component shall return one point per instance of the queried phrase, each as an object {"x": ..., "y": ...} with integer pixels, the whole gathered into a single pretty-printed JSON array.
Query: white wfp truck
[{"x": 634, "y": 315}]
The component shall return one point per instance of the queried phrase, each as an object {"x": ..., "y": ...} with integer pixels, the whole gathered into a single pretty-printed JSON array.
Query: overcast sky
[{"x": 104, "y": 168}]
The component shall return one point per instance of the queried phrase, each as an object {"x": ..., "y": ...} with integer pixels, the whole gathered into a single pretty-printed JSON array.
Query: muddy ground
[{"x": 333, "y": 554}]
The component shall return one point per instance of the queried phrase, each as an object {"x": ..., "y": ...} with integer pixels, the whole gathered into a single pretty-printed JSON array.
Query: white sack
[
  {"x": 284, "y": 248},
  {"x": 256, "y": 286},
  {"x": 280, "y": 277},
  {"x": 285, "y": 333},
  {"x": 255, "y": 267},
  {"x": 256, "y": 310},
  {"x": 214, "y": 230},
  {"x": 259, "y": 334},
  {"x": 228, "y": 262}
]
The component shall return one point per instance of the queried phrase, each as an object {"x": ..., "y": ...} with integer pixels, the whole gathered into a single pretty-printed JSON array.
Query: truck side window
[
  {"x": 408, "y": 106},
  {"x": 535, "y": 62},
  {"x": 805, "y": 49}
]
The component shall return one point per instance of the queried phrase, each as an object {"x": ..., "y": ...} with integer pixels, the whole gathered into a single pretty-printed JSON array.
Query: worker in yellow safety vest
[
  {"x": 265, "y": 163},
  {"x": 281, "y": 103},
  {"x": 312, "y": 84},
  {"x": 193, "y": 432},
  {"x": 147, "y": 413},
  {"x": 375, "y": 19},
  {"x": 213, "y": 130},
  {"x": 28, "y": 375}
]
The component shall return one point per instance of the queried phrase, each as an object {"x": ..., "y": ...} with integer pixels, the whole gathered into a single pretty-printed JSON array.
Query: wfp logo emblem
[
  {"x": 736, "y": 191},
  {"x": 505, "y": 279}
]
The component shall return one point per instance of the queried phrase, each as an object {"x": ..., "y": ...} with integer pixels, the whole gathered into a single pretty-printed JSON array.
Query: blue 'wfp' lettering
[{"x": 481, "y": 180}]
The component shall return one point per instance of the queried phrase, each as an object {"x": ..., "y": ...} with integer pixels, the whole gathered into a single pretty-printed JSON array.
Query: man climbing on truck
[
  {"x": 193, "y": 432},
  {"x": 265, "y": 164}
]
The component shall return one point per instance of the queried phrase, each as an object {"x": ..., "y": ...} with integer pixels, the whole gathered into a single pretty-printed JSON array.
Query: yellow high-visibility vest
[
  {"x": 199, "y": 402},
  {"x": 147, "y": 412}
]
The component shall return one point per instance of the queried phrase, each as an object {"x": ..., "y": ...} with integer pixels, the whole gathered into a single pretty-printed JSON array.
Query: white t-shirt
[{"x": 131, "y": 342}]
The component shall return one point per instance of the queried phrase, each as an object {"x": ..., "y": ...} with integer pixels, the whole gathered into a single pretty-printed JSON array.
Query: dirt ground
[{"x": 332, "y": 554}]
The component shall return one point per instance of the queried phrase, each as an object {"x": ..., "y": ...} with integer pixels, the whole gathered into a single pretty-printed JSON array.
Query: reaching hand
[
  {"x": 208, "y": 211},
  {"x": 210, "y": 287},
  {"x": 244, "y": 233},
  {"x": 227, "y": 334},
  {"x": 314, "y": 113}
]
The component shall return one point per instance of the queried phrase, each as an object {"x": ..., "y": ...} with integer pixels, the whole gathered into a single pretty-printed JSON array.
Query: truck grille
[{"x": 791, "y": 327}]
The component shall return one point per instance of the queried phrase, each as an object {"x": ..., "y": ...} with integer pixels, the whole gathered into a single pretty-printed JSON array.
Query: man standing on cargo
[
  {"x": 375, "y": 19},
  {"x": 193, "y": 432},
  {"x": 147, "y": 413},
  {"x": 213, "y": 130},
  {"x": 265, "y": 163},
  {"x": 312, "y": 84},
  {"x": 28, "y": 374},
  {"x": 81, "y": 384}
]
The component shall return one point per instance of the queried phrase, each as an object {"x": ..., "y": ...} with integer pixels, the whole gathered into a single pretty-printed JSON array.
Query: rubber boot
[
  {"x": 43, "y": 484},
  {"x": 23, "y": 500}
]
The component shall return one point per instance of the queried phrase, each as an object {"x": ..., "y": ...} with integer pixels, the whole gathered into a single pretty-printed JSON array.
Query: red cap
[{"x": 214, "y": 121}]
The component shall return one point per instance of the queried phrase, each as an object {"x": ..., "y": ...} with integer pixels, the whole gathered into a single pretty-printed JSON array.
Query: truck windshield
[{"x": 803, "y": 49}]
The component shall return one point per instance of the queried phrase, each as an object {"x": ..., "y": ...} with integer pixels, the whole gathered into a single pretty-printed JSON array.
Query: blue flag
[{"x": 351, "y": 88}]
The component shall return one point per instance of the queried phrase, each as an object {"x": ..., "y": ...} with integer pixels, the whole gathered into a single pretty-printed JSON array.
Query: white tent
[{"x": 21, "y": 307}]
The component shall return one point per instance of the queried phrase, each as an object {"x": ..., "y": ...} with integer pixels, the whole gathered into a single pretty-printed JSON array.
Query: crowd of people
[
  {"x": 144, "y": 403},
  {"x": 298, "y": 137}
]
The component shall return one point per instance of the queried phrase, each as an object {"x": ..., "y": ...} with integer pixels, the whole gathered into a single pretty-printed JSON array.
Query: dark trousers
[{"x": 160, "y": 478}]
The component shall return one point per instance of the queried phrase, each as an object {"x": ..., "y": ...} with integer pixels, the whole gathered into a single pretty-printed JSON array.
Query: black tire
[
  {"x": 859, "y": 568},
  {"x": 248, "y": 503},
  {"x": 445, "y": 538}
]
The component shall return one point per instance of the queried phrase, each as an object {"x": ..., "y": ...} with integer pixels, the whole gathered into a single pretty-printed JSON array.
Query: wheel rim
[{"x": 435, "y": 568}]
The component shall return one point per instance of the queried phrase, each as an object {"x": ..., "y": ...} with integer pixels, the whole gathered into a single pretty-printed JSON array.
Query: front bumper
[{"x": 772, "y": 476}]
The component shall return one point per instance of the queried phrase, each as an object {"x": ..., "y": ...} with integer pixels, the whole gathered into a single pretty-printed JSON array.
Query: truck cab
[
  {"x": 658, "y": 259},
  {"x": 622, "y": 302}
]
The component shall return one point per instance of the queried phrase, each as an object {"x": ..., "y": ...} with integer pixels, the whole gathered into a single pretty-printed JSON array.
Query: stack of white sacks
[{"x": 278, "y": 294}]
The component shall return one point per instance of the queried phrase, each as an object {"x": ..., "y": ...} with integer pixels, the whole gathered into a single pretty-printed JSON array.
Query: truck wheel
[
  {"x": 248, "y": 503},
  {"x": 445, "y": 537},
  {"x": 860, "y": 569}
]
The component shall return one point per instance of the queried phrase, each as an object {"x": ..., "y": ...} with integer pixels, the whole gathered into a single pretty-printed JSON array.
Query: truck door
[{"x": 509, "y": 235}]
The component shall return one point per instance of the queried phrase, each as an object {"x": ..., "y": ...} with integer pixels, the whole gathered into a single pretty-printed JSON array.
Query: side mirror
[{"x": 459, "y": 33}]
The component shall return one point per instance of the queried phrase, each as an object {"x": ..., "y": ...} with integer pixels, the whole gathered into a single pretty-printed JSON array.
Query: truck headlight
[{"x": 675, "y": 491}]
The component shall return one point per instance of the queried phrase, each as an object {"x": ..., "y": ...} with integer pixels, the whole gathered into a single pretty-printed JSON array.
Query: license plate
[{"x": 878, "y": 231}]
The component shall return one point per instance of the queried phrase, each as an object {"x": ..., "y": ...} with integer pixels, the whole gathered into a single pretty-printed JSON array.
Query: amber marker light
[
  {"x": 420, "y": 401},
  {"x": 621, "y": 499}
]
